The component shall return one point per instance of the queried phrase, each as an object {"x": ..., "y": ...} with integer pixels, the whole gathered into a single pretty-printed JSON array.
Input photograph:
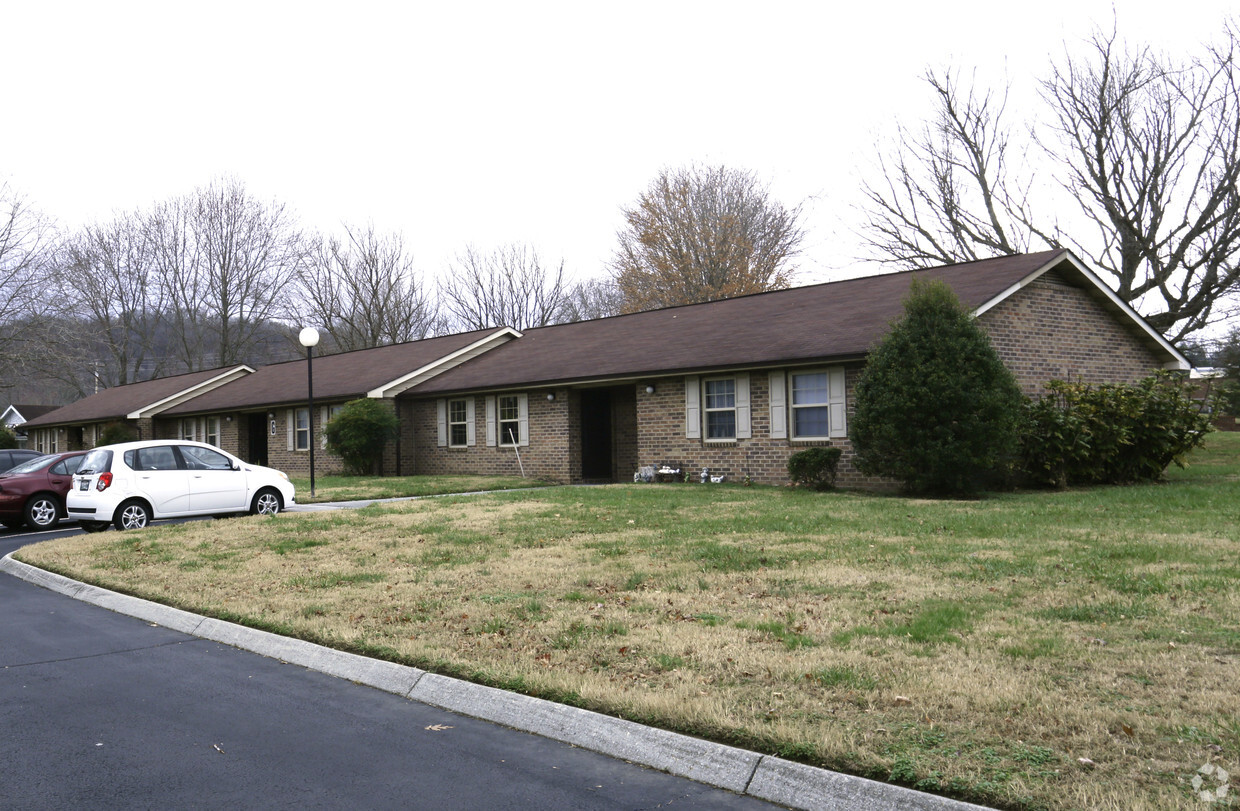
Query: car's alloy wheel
[
  {"x": 266, "y": 503},
  {"x": 133, "y": 515},
  {"x": 42, "y": 512}
]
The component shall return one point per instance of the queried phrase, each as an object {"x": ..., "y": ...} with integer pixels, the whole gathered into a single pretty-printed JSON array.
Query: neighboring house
[
  {"x": 735, "y": 386},
  {"x": 79, "y": 425},
  {"x": 15, "y": 416}
]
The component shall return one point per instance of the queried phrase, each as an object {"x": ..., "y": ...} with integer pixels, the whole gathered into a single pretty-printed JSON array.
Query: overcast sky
[{"x": 489, "y": 123}]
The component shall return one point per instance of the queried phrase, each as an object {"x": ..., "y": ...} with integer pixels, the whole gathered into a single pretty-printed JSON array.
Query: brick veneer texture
[{"x": 1053, "y": 331}]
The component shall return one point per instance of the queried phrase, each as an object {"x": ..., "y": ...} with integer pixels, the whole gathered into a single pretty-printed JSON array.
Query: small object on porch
[
  {"x": 705, "y": 475},
  {"x": 667, "y": 473},
  {"x": 645, "y": 474},
  {"x": 718, "y": 479}
]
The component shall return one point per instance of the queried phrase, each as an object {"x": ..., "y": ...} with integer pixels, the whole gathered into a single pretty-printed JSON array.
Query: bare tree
[
  {"x": 949, "y": 194},
  {"x": 228, "y": 260},
  {"x": 363, "y": 289},
  {"x": 110, "y": 282},
  {"x": 1145, "y": 151},
  {"x": 27, "y": 239},
  {"x": 507, "y": 287},
  {"x": 595, "y": 298},
  {"x": 1152, "y": 153},
  {"x": 701, "y": 234}
]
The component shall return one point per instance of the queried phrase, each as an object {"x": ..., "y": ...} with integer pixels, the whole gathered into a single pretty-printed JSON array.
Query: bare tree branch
[
  {"x": 27, "y": 240},
  {"x": 364, "y": 291},
  {"x": 1146, "y": 153},
  {"x": 507, "y": 287}
]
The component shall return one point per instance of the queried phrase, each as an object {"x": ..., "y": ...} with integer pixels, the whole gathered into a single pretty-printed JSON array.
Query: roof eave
[
  {"x": 184, "y": 395},
  {"x": 440, "y": 365}
]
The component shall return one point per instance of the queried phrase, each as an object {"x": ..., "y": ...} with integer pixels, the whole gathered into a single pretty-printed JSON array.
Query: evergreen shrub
[
  {"x": 936, "y": 408},
  {"x": 814, "y": 467},
  {"x": 359, "y": 432}
]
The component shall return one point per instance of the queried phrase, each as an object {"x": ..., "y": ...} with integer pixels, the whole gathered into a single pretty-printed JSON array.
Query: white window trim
[
  {"x": 836, "y": 403},
  {"x": 740, "y": 408},
  {"x": 294, "y": 431},
  {"x": 468, "y": 421},
  {"x": 523, "y": 421}
]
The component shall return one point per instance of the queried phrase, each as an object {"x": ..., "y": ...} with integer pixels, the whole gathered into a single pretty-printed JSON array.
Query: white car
[{"x": 133, "y": 483}]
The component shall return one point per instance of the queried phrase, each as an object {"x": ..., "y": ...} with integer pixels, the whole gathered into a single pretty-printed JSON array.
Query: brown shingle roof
[
  {"x": 116, "y": 402},
  {"x": 836, "y": 320},
  {"x": 346, "y": 375}
]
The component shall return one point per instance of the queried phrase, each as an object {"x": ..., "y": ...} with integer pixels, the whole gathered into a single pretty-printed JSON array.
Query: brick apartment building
[{"x": 733, "y": 386}]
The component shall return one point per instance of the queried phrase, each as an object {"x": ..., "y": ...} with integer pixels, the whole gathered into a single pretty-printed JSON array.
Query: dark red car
[{"x": 33, "y": 493}]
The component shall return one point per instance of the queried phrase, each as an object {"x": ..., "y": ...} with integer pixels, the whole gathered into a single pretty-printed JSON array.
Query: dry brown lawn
[{"x": 1045, "y": 650}]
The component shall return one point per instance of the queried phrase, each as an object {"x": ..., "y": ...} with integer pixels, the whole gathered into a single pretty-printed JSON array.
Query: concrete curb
[{"x": 762, "y": 776}]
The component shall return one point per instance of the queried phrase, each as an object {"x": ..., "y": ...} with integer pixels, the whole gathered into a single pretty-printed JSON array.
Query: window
[
  {"x": 458, "y": 424},
  {"x": 204, "y": 459},
  {"x": 67, "y": 467},
  {"x": 211, "y": 431},
  {"x": 326, "y": 415},
  {"x": 301, "y": 430},
  {"x": 721, "y": 408},
  {"x": 509, "y": 419},
  {"x": 810, "y": 405}
]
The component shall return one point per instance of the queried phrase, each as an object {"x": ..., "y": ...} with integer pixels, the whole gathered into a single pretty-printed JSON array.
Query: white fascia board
[
  {"x": 4, "y": 418},
  {"x": 188, "y": 394},
  {"x": 1178, "y": 360},
  {"x": 441, "y": 365}
]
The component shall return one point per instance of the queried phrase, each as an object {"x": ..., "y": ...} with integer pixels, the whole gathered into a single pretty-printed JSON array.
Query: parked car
[
  {"x": 133, "y": 483},
  {"x": 33, "y": 492},
  {"x": 10, "y": 457}
]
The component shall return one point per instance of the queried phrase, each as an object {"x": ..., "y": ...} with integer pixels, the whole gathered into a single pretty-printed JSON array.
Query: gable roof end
[
  {"x": 227, "y": 376},
  {"x": 441, "y": 365},
  {"x": 1111, "y": 301}
]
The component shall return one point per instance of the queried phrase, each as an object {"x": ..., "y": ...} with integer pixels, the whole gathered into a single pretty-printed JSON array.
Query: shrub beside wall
[
  {"x": 1078, "y": 434},
  {"x": 814, "y": 467}
]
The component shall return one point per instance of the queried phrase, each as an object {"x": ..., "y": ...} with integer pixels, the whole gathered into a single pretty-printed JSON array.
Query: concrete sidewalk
[{"x": 761, "y": 776}]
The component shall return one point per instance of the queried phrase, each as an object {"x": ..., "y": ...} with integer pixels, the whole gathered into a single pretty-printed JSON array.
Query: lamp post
[{"x": 309, "y": 337}]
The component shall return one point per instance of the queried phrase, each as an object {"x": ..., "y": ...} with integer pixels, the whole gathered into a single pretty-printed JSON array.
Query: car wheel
[
  {"x": 42, "y": 512},
  {"x": 267, "y": 502},
  {"x": 93, "y": 526},
  {"x": 133, "y": 515}
]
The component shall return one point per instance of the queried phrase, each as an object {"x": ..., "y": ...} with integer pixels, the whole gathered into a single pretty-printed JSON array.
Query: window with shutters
[
  {"x": 509, "y": 420},
  {"x": 301, "y": 430},
  {"x": 814, "y": 407},
  {"x": 720, "y": 408},
  {"x": 458, "y": 425},
  {"x": 810, "y": 410}
]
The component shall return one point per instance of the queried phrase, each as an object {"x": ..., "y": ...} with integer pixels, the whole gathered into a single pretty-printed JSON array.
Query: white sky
[{"x": 489, "y": 123}]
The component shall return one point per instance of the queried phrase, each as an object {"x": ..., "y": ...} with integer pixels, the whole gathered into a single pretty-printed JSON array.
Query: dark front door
[
  {"x": 257, "y": 428},
  {"x": 596, "y": 438}
]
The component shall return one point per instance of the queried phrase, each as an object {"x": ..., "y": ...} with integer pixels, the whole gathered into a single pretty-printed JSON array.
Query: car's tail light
[{"x": 103, "y": 482}]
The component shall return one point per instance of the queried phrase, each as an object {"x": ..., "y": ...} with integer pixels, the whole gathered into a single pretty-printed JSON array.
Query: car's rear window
[{"x": 99, "y": 461}]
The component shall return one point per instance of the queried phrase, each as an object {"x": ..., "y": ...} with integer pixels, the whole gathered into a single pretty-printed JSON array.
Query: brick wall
[
  {"x": 1053, "y": 331},
  {"x": 661, "y": 436},
  {"x": 547, "y": 456}
]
